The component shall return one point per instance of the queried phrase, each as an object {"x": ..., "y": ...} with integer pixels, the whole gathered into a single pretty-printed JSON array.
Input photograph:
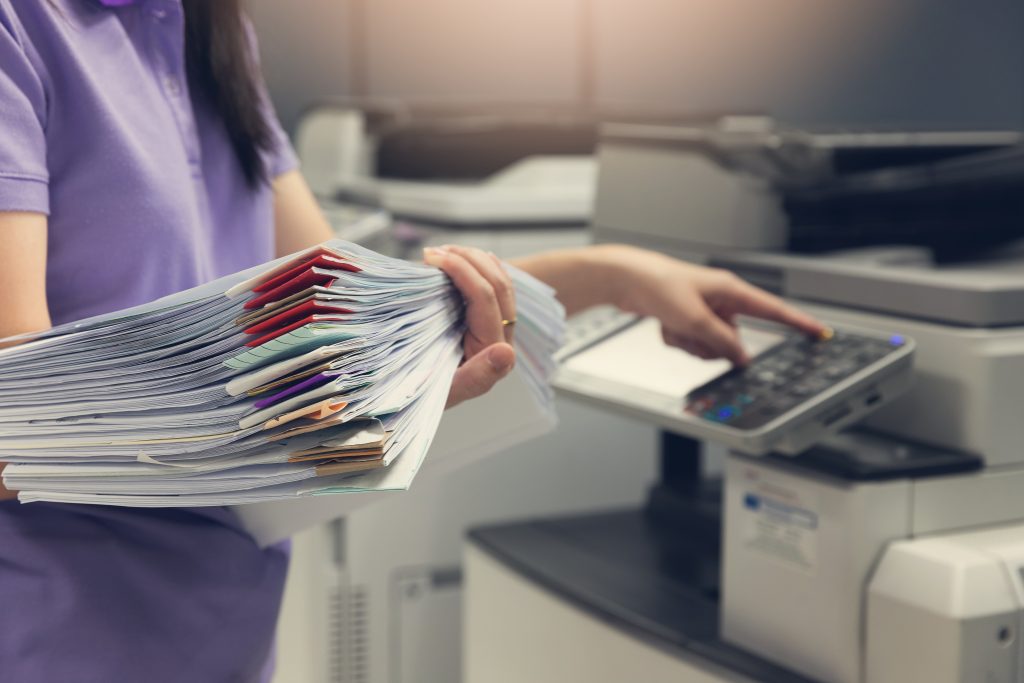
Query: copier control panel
[
  {"x": 794, "y": 392},
  {"x": 787, "y": 376}
]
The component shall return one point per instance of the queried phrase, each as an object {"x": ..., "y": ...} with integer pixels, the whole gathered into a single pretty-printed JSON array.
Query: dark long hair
[{"x": 222, "y": 68}]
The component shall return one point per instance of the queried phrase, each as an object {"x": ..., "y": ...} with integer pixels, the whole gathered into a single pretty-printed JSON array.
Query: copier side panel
[{"x": 798, "y": 550}]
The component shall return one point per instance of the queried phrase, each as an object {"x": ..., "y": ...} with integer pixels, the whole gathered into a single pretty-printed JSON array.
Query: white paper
[
  {"x": 660, "y": 368},
  {"x": 150, "y": 407},
  {"x": 483, "y": 427}
]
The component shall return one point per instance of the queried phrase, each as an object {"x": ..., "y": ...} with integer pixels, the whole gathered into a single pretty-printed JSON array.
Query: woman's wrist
[
  {"x": 603, "y": 272},
  {"x": 599, "y": 274}
]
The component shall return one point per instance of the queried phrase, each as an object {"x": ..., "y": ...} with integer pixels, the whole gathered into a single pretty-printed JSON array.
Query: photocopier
[{"x": 873, "y": 531}]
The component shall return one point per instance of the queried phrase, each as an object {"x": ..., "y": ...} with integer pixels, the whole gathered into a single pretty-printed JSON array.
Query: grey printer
[{"x": 894, "y": 551}]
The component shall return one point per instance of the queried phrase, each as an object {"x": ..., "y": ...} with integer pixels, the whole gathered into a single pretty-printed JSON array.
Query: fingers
[
  {"x": 481, "y": 372},
  {"x": 719, "y": 337},
  {"x": 707, "y": 336},
  {"x": 483, "y": 315},
  {"x": 494, "y": 272},
  {"x": 490, "y": 298},
  {"x": 691, "y": 346},
  {"x": 758, "y": 303}
]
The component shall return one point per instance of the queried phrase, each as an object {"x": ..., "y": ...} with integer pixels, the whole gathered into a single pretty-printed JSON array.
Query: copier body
[{"x": 842, "y": 578}]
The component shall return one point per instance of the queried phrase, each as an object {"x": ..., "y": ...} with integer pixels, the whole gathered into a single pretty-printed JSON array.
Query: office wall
[
  {"x": 453, "y": 50},
  {"x": 860, "y": 62},
  {"x": 521, "y": 50},
  {"x": 304, "y": 48},
  {"x": 898, "y": 62}
]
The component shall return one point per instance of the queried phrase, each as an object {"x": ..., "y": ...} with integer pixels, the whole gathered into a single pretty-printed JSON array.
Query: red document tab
[
  {"x": 290, "y": 315},
  {"x": 301, "y": 281},
  {"x": 321, "y": 260},
  {"x": 294, "y": 326}
]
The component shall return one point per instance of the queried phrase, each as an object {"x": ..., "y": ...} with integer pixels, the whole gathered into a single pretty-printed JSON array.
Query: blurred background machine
[
  {"x": 469, "y": 116},
  {"x": 512, "y": 183},
  {"x": 479, "y": 123}
]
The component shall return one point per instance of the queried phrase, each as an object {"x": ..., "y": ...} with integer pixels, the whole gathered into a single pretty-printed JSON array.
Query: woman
[{"x": 140, "y": 156}]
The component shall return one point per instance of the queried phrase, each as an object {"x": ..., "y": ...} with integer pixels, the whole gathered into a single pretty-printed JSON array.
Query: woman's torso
[{"x": 145, "y": 197}]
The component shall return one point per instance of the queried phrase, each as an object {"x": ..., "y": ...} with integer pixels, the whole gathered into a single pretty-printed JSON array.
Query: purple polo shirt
[{"x": 145, "y": 197}]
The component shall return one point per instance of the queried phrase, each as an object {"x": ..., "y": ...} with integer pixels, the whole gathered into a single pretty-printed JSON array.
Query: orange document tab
[
  {"x": 314, "y": 411},
  {"x": 348, "y": 466}
]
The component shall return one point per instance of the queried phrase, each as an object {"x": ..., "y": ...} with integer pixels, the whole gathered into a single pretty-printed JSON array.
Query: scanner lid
[{"x": 901, "y": 281}]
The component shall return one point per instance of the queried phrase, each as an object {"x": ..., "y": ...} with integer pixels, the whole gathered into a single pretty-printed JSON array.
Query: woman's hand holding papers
[
  {"x": 490, "y": 308},
  {"x": 324, "y": 372}
]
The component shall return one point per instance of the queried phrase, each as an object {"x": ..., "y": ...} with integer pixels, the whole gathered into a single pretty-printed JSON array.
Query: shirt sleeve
[
  {"x": 24, "y": 180},
  {"x": 281, "y": 157}
]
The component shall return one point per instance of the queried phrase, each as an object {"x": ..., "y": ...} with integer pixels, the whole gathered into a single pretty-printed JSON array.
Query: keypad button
[
  {"x": 784, "y": 378},
  {"x": 726, "y": 413},
  {"x": 839, "y": 370},
  {"x": 801, "y": 390},
  {"x": 699, "y": 405}
]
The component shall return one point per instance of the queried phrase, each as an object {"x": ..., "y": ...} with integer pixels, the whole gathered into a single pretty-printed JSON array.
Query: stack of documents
[{"x": 323, "y": 372}]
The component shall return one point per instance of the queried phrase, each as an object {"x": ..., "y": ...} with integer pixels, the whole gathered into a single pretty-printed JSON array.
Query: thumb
[{"x": 481, "y": 372}]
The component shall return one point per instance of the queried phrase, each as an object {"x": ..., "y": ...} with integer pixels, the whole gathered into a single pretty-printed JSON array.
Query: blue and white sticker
[{"x": 782, "y": 524}]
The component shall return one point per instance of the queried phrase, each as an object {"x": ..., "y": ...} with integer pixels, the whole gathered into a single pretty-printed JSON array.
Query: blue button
[
  {"x": 897, "y": 340},
  {"x": 751, "y": 502},
  {"x": 726, "y": 413}
]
